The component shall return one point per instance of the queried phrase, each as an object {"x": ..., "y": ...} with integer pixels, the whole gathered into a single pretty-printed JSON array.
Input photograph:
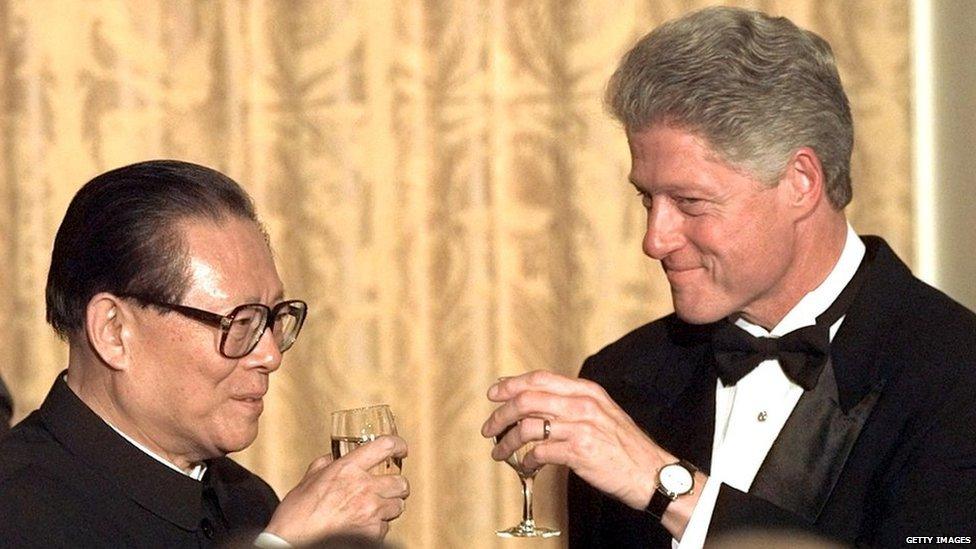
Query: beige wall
[
  {"x": 439, "y": 179},
  {"x": 946, "y": 181}
]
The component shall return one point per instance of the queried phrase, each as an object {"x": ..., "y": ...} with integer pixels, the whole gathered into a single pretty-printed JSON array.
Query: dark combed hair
[
  {"x": 756, "y": 87},
  {"x": 120, "y": 235}
]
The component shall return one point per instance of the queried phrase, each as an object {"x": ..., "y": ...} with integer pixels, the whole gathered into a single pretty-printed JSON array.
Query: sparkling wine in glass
[
  {"x": 527, "y": 528},
  {"x": 352, "y": 428}
]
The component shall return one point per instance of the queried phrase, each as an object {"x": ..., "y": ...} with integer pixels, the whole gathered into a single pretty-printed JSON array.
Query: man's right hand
[{"x": 342, "y": 496}]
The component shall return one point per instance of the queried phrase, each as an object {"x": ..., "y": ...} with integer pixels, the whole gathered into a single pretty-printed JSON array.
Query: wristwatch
[{"x": 673, "y": 481}]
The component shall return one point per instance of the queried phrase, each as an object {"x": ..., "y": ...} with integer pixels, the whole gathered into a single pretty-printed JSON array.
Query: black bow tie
[{"x": 801, "y": 353}]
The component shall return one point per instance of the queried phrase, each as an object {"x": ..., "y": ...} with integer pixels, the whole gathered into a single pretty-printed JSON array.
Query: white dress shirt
[{"x": 750, "y": 414}]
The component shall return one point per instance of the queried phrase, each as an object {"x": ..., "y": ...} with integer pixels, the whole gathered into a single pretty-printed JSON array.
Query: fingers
[
  {"x": 318, "y": 464},
  {"x": 393, "y": 486},
  {"x": 543, "y": 405},
  {"x": 567, "y": 444},
  {"x": 384, "y": 528},
  {"x": 377, "y": 451},
  {"x": 547, "y": 395},
  {"x": 551, "y": 453},
  {"x": 545, "y": 381},
  {"x": 392, "y": 509},
  {"x": 527, "y": 430},
  {"x": 342, "y": 495},
  {"x": 392, "y": 492}
]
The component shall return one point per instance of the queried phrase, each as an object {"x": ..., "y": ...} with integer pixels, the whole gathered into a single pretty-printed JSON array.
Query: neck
[
  {"x": 818, "y": 247},
  {"x": 96, "y": 386}
]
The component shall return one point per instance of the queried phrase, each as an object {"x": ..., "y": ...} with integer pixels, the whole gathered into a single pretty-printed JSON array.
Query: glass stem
[{"x": 527, "y": 520}]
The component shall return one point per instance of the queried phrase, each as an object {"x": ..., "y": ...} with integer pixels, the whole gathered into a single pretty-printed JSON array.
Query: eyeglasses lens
[
  {"x": 248, "y": 326},
  {"x": 286, "y": 325},
  {"x": 244, "y": 331}
]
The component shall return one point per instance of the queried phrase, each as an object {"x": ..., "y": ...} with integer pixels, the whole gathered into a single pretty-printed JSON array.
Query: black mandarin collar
[{"x": 167, "y": 493}]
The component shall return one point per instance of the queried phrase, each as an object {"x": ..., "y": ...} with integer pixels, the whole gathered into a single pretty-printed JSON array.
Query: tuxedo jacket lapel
[
  {"x": 803, "y": 465},
  {"x": 684, "y": 384}
]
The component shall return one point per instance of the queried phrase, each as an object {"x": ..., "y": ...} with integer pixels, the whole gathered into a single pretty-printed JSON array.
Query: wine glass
[
  {"x": 353, "y": 428},
  {"x": 526, "y": 528}
]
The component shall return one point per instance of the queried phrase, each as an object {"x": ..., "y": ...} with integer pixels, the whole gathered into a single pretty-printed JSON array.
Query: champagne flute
[
  {"x": 353, "y": 428},
  {"x": 526, "y": 528}
]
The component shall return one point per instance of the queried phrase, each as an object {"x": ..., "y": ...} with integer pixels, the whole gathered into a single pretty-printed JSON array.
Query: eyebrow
[
  {"x": 278, "y": 297},
  {"x": 679, "y": 187}
]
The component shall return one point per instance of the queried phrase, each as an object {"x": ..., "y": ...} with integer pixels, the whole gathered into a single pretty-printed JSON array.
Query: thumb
[{"x": 377, "y": 451}]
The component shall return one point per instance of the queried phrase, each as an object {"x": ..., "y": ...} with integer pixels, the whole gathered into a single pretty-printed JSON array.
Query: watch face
[{"x": 676, "y": 479}]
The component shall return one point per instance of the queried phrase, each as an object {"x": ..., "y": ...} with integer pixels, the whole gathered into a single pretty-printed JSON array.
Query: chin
[
  {"x": 240, "y": 439},
  {"x": 698, "y": 312},
  {"x": 233, "y": 447}
]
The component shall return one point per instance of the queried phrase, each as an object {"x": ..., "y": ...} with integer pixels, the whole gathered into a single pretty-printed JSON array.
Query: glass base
[{"x": 528, "y": 530}]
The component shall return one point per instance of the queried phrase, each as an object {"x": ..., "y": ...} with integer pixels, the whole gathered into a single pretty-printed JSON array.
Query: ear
[
  {"x": 805, "y": 181},
  {"x": 108, "y": 325}
]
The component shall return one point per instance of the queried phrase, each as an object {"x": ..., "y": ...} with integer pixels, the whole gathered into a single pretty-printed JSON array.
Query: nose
[
  {"x": 663, "y": 234},
  {"x": 265, "y": 354}
]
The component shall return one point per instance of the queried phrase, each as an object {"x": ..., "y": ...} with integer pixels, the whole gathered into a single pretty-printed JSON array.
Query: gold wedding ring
[{"x": 546, "y": 429}]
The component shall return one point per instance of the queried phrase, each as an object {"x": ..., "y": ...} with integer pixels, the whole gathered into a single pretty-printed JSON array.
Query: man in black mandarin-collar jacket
[
  {"x": 66, "y": 469},
  {"x": 164, "y": 286}
]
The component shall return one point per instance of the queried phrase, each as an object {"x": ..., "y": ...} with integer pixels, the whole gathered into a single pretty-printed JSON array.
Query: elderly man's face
[
  {"x": 724, "y": 240},
  {"x": 185, "y": 396}
]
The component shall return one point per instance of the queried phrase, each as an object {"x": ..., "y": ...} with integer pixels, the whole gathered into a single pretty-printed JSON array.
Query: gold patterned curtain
[{"x": 438, "y": 177}]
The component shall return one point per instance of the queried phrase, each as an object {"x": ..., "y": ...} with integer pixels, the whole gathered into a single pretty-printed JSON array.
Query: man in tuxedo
[
  {"x": 806, "y": 379},
  {"x": 163, "y": 283}
]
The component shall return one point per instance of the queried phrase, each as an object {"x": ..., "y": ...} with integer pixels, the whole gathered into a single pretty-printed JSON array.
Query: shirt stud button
[
  {"x": 207, "y": 527},
  {"x": 762, "y": 416}
]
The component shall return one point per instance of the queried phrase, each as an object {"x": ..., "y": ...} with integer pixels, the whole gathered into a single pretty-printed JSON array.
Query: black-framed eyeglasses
[{"x": 242, "y": 328}]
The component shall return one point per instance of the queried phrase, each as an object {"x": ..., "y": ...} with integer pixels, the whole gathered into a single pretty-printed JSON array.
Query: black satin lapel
[
  {"x": 803, "y": 465},
  {"x": 687, "y": 427},
  {"x": 859, "y": 346}
]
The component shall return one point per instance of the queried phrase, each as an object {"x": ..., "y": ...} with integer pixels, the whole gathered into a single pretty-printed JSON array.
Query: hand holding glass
[
  {"x": 526, "y": 528},
  {"x": 353, "y": 428}
]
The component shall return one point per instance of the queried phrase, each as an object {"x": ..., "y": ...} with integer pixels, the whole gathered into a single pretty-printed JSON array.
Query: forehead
[
  {"x": 664, "y": 156},
  {"x": 229, "y": 263}
]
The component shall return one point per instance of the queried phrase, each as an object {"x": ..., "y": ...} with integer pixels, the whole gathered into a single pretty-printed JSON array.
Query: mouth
[
  {"x": 670, "y": 268},
  {"x": 253, "y": 401},
  {"x": 679, "y": 274}
]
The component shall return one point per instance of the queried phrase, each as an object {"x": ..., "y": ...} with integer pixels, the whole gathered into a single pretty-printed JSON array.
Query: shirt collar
[
  {"x": 196, "y": 473},
  {"x": 805, "y": 312}
]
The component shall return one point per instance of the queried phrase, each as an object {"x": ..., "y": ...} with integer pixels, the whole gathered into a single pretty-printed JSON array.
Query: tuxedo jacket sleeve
[{"x": 898, "y": 460}]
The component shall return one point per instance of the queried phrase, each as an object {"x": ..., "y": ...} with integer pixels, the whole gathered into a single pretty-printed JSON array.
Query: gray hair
[{"x": 756, "y": 88}]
